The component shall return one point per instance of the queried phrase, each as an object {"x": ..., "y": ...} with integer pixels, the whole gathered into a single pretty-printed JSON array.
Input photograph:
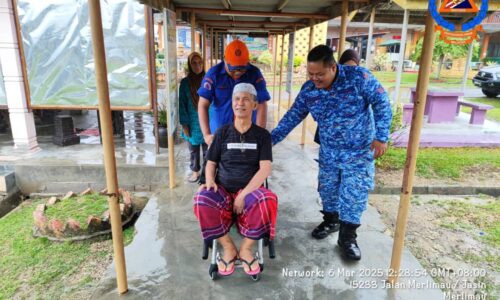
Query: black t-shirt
[{"x": 238, "y": 155}]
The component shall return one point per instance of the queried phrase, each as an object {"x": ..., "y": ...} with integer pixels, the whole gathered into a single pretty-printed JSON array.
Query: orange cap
[{"x": 236, "y": 54}]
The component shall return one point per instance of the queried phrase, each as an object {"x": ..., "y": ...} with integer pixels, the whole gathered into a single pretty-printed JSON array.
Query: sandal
[
  {"x": 194, "y": 179},
  {"x": 249, "y": 264},
  {"x": 226, "y": 272}
]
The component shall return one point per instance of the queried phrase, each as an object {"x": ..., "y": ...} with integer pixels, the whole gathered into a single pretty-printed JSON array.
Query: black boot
[
  {"x": 330, "y": 224},
  {"x": 347, "y": 241}
]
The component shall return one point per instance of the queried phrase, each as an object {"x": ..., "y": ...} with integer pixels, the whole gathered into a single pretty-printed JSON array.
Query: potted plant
[{"x": 162, "y": 126}]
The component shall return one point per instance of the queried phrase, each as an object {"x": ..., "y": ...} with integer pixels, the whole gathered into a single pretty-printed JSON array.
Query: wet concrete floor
[{"x": 164, "y": 259}]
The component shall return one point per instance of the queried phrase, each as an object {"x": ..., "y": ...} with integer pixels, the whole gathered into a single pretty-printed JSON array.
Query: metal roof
[
  {"x": 267, "y": 15},
  {"x": 276, "y": 16}
]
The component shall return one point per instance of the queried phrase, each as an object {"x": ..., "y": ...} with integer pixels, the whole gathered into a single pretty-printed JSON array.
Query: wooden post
[
  {"x": 291, "y": 77},
  {"x": 193, "y": 32},
  {"x": 467, "y": 66},
  {"x": 152, "y": 71},
  {"x": 168, "y": 90},
  {"x": 108, "y": 143},
  {"x": 413, "y": 145},
  {"x": 212, "y": 51},
  {"x": 282, "y": 61},
  {"x": 216, "y": 47},
  {"x": 275, "y": 63},
  {"x": 311, "y": 44},
  {"x": 370, "y": 40},
  {"x": 343, "y": 26},
  {"x": 205, "y": 65},
  {"x": 402, "y": 47},
  {"x": 484, "y": 46}
]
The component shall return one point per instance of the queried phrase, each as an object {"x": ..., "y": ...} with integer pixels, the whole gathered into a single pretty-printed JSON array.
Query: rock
[
  {"x": 57, "y": 227},
  {"x": 94, "y": 224},
  {"x": 41, "y": 207},
  {"x": 69, "y": 195},
  {"x": 52, "y": 201},
  {"x": 127, "y": 198},
  {"x": 40, "y": 221},
  {"x": 105, "y": 215},
  {"x": 87, "y": 192},
  {"x": 74, "y": 225}
]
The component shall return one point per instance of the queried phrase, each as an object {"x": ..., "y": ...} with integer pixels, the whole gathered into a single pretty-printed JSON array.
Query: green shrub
[
  {"x": 380, "y": 62},
  {"x": 265, "y": 58},
  {"x": 397, "y": 117},
  {"x": 297, "y": 61}
]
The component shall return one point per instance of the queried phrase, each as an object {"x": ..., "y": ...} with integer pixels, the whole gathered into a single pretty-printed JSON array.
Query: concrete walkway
[{"x": 164, "y": 259}]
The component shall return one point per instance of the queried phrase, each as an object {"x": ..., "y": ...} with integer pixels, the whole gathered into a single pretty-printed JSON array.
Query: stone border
[
  {"x": 70, "y": 230},
  {"x": 440, "y": 190}
]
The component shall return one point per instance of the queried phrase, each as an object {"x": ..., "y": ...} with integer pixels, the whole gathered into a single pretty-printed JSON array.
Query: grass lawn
[
  {"x": 37, "y": 268},
  {"x": 388, "y": 79},
  {"x": 492, "y": 114},
  {"x": 466, "y": 216},
  {"x": 442, "y": 162},
  {"x": 93, "y": 204}
]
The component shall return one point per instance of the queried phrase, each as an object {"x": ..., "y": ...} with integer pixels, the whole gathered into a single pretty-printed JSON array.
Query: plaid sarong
[{"x": 214, "y": 211}]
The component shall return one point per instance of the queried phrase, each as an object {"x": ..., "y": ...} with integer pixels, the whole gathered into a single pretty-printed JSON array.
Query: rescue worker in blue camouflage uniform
[{"x": 338, "y": 98}]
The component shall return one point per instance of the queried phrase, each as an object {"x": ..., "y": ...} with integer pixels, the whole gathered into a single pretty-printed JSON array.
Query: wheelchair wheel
[{"x": 213, "y": 271}]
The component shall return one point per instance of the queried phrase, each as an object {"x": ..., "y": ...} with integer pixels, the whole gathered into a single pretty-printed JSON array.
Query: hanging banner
[
  {"x": 170, "y": 100},
  {"x": 57, "y": 47},
  {"x": 289, "y": 71}
]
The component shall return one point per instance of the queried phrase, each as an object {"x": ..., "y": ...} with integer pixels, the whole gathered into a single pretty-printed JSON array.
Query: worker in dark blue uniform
[
  {"x": 217, "y": 88},
  {"x": 339, "y": 99}
]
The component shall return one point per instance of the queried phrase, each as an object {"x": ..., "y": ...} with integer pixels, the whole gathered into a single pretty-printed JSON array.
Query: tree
[{"x": 442, "y": 51}]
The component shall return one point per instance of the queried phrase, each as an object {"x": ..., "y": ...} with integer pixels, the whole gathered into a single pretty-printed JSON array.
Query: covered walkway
[{"x": 164, "y": 260}]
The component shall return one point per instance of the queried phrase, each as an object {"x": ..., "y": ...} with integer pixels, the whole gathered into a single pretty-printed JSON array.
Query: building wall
[{"x": 301, "y": 47}]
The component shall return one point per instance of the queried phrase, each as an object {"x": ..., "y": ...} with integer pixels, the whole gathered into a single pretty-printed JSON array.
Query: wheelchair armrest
[
  {"x": 272, "y": 252},
  {"x": 204, "y": 255}
]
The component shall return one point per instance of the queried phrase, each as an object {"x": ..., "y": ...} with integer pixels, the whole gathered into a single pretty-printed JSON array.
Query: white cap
[{"x": 245, "y": 87}]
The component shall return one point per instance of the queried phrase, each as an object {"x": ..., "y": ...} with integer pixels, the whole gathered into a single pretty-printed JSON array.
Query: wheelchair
[{"x": 214, "y": 268}]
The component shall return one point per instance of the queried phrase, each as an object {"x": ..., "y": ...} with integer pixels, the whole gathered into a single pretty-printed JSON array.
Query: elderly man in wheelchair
[{"x": 238, "y": 163}]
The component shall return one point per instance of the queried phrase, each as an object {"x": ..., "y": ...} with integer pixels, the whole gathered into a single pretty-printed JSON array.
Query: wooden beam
[
  {"x": 274, "y": 63},
  {"x": 101, "y": 75},
  {"x": 412, "y": 150},
  {"x": 282, "y": 5},
  {"x": 212, "y": 49},
  {"x": 370, "y": 40},
  {"x": 255, "y": 29},
  {"x": 311, "y": 45},
  {"x": 248, "y": 13},
  {"x": 226, "y": 4},
  {"x": 402, "y": 49},
  {"x": 225, "y": 22},
  {"x": 282, "y": 61},
  {"x": 193, "y": 32},
  {"x": 343, "y": 27},
  {"x": 205, "y": 64}
]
